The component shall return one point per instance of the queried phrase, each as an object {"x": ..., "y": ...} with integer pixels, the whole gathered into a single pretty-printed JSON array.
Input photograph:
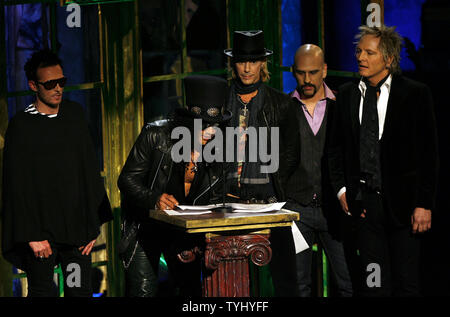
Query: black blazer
[{"x": 408, "y": 147}]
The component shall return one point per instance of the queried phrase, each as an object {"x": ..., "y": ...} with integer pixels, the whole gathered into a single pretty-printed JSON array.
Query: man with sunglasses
[
  {"x": 48, "y": 87},
  {"x": 54, "y": 200}
]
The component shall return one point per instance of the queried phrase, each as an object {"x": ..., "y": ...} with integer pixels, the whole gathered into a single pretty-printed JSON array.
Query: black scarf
[
  {"x": 251, "y": 176},
  {"x": 243, "y": 89},
  {"x": 369, "y": 146}
]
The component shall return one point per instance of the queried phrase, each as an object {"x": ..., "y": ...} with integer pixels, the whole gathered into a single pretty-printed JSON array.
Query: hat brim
[
  {"x": 183, "y": 112},
  {"x": 229, "y": 53}
]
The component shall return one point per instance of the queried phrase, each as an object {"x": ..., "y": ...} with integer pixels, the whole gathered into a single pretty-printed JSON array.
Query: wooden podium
[{"x": 231, "y": 240}]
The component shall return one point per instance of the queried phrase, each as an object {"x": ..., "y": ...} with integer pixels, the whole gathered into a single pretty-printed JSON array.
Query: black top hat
[
  {"x": 206, "y": 97},
  {"x": 248, "y": 45}
]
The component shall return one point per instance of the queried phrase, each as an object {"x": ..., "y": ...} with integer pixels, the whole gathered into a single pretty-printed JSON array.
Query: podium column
[{"x": 226, "y": 266}]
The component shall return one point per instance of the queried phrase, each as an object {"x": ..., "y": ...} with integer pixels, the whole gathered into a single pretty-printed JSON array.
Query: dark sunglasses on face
[{"x": 52, "y": 83}]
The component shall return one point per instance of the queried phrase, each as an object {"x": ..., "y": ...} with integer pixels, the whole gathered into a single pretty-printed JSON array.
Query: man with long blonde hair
[{"x": 255, "y": 104}]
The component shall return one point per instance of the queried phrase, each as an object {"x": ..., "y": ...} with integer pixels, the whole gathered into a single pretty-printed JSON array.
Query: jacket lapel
[
  {"x": 355, "y": 98},
  {"x": 396, "y": 95}
]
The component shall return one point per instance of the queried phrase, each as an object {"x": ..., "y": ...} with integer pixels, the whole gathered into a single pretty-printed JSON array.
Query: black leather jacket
[
  {"x": 147, "y": 171},
  {"x": 279, "y": 111},
  {"x": 143, "y": 179}
]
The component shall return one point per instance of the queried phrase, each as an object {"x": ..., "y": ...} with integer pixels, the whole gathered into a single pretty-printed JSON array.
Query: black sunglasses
[{"x": 52, "y": 83}]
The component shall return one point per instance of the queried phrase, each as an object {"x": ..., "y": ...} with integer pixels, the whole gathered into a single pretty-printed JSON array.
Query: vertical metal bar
[
  {"x": 184, "y": 60},
  {"x": 325, "y": 273},
  {"x": 227, "y": 21},
  {"x": 103, "y": 87},
  {"x": 5, "y": 268},
  {"x": 100, "y": 41},
  {"x": 45, "y": 25},
  {"x": 53, "y": 28},
  {"x": 184, "y": 63},
  {"x": 106, "y": 157},
  {"x": 320, "y": 24},
  {"x": 317, "y": 248},
  {"x": 3, "y": 81},
  {"x": 59, "y": 272},
  {"x": 139, "y": 89},
  {"x": 242, "y": 16},
  {"x": 280, "y": 45}
]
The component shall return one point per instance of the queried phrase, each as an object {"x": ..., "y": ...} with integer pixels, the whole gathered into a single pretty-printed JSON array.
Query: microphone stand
[{"x": 223, "y": 208}]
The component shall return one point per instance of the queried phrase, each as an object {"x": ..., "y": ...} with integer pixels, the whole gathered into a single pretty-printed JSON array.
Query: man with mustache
[
  {"x": 54, "y": 200},
  {"x": 308, "y": 189}
]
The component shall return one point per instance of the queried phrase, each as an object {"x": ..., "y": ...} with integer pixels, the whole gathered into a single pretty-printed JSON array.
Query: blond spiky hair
[{"x": 390, "y": 43}]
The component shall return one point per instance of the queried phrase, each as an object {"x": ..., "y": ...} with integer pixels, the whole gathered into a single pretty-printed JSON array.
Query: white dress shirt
[{"x": 382, "y": 104}]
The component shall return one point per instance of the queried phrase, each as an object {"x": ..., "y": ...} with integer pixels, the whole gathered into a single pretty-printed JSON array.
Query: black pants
[
  {"x": 142, "y": 268},
  {"x": 282, "y": 265},
  {"x": 76, "y": 269},
  {"x": 389, "y": 252},
  {"x": 313, "y": 223}
]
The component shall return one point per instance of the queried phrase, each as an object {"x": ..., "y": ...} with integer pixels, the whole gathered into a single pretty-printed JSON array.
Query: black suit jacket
[{"x": 408, "y": 147}]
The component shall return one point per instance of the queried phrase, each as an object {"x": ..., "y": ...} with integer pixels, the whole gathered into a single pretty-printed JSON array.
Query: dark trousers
[
  {"x": 76, "y": 269},
  {"x": 141, "y": 263},
  {"x": 389, "y": 252},
  {"x": 282, "y": 264},
  {"x": 141, "y": 278},
  {"x": 313, "y": 223}
]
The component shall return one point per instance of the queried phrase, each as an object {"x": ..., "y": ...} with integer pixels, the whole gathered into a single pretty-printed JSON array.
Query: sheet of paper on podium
[
  {"x": 299, "y": 241},
  {"x": 256, "y": 207},
  {"x": 236, "y": 207},
  {"x": 191, "y": 210}
]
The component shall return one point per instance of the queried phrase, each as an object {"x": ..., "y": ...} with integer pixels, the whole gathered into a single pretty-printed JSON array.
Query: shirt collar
[
  {"x": 328, "y": 94},
  {"x": 362, "y": 85}
]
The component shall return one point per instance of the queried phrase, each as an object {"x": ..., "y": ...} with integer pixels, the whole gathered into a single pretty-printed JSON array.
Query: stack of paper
[
  {"x": 190, "y": 210},
  {"x": 204, "y": 209},
  {"x": 256, "y": 207}
]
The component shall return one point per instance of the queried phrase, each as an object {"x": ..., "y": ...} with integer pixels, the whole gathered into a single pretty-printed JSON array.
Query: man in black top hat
[
  {"x": 151, "y": 179},
  {"x": 256, "y": 105}
]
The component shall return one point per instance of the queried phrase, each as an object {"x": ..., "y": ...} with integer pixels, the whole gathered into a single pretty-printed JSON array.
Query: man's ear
[
  {"x": 264, "y": 62},
  {"x": 389, "y": 62},
  {"x": 33, "y": 86},
  {"x": 325, "y": 70}
]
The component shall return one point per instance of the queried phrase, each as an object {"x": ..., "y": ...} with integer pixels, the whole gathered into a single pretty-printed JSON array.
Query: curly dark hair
[{"x": 39, "y": 59}]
